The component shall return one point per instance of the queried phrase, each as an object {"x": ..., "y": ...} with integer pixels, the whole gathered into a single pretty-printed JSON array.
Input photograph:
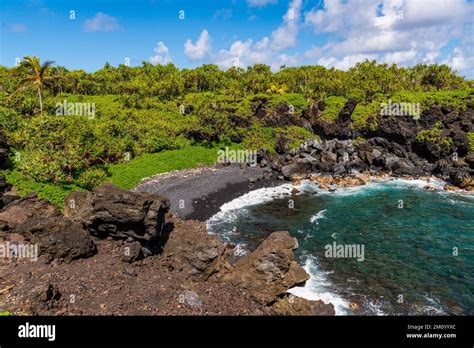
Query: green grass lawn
[
  {"x": 128, "y": 175},
  {"x": 124, "y": 175},
  {"x": 49, "y": 191}
]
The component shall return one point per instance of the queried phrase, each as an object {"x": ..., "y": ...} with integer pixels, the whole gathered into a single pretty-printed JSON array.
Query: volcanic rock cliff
[{"x": 108, "y": 230}]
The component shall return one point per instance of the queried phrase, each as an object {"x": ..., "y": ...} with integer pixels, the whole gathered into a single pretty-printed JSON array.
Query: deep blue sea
[{"x": 384, "y": 248}]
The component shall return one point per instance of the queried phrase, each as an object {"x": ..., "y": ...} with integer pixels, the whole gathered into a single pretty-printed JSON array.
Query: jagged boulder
[
  {"x": 294, "y": 305},
  {"x": 282, "y": 144},
  {"x": 40, "y": 222},
  {"x": 27, "y": 208},
  {"x": 298, "y": 170},
  {"x": 270, "y": 270},
  {"x": 121, "y": 214},
  {"x": 3, "y": 150},
  {"x": 190, "y": 249},
  {"x": 341, "y": 127},
  {"x": 58, "y": 237},
  {"x": 470, "y": 160},
  {"x": 461, "y": 178}
]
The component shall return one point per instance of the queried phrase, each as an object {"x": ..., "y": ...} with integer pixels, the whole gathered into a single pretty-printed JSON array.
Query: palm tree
[{"x": 37, "y": 76}]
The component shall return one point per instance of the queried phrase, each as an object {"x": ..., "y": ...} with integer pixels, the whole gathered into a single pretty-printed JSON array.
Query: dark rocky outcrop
[
  {"x": 270, "y": 270},
  {"x": 340, "y": 128},
  {"x": 39, "y": 222},
  {"x": 121, "y": 214},
  {"x": 298, "y": 170},
  {"x": 461, "y": 178},
  {"x": 392, "y": 146},
  {"x": 293, "y": 305},
  {"x": 190, "y": 249},
  {"x": 4, "y": 186},
  {"x": 280, "y": 116},
  {"x": 3, "y": 150}
]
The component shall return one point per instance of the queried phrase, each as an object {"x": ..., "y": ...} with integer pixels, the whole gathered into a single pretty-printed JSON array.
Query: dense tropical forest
[{"x": 138, "y": 121}]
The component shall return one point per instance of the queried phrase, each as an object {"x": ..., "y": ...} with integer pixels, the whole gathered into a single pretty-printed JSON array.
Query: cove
[{"x": 417, "y": 259}]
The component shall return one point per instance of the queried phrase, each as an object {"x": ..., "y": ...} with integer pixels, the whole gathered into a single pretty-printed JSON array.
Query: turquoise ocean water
[{"x": 418, "y": 245}]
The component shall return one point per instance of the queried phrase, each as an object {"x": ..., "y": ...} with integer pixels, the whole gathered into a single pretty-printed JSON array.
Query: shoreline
[
  {"x": 198, "y": 194},
  {"x": 311, "y": 290}
]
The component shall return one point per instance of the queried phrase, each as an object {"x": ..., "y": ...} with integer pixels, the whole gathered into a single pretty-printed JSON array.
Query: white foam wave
[
  {"x": 318, "y": 287},
  {"x": 259, "y": 196},
  {"x": 318, "y": 216},
  {"x": 235, "y": 209},
  {"x": 240, "y": 250},
  {"x": 434, "y": 307}
]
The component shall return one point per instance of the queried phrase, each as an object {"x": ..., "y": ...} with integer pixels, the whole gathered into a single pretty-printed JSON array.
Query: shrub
[
  {"x": 470, "y": 135},
  {"x": 333, "y": 106},
  {"x": 258, "y": 137},
  {"x": 434, "y": 136},
  {"x": 91, "y": 178}
]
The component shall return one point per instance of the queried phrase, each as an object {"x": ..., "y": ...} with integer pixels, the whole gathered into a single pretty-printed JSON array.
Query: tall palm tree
[{"x": 37, "y": 76}]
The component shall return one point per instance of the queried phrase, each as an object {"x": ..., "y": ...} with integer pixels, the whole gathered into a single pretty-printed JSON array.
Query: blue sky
[{"x": 333, "y": 33}]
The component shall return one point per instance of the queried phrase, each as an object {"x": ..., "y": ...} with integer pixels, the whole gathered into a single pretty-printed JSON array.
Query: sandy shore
[{"x": 199, "y": 193}]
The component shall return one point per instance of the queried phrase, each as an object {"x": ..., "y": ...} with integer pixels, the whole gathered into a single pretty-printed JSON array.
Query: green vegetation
[
  {"x": 128, "y": 175},
  {"x": 125, "y": 175},
  {"x": 470, "y": 135},
  {"x": 457, "y": 99},
  {"x": 72, "y": 130},
  {"x": 5, "y": 314},
  {"x": 434, "y": 136},
  {"x": 54, "y": 193},
  {"x": 333, "y": 106}
]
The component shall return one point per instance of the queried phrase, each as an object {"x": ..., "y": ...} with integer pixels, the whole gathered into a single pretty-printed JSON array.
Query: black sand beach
[{"x": 199, "y": 193}]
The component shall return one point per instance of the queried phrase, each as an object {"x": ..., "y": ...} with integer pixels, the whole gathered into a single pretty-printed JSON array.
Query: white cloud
[
  {"x": 245, "y": 53},
  {"x": 102, "y": 22},
  {"x": 462, "y": 59},
  {"x": 260, "y": 3},
  {"x": 346, "y": 62},
  {"x": 162, "y": 54},
  {"x": 393, "y": 31},
  {"x": 400, "y": 56},
  {"x": 268, "y": 49},
  {"x": 314, "y": 52},
  {"x": 285, "y": 35},
  {"x": 200, "y": 49}
]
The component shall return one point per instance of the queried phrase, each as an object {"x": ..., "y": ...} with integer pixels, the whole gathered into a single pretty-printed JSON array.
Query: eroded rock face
[
  {"x": 121, "y": 214},
  {"x": 461, "y": 178},
  {"x": 39, "y": 222},
  {"x": 27, "y": 208},
  {"x": 293, "y": 305},
  {"x": 58, "y": 238},
  {"x": 3, "y": 150},
  {"x": 340, "y": 128},
  {"x": 192, "y": 250},
  {"x": 298, "y": 170},
  {"x": 4, "y": 186},
  {"x": 270, "y": 270}
]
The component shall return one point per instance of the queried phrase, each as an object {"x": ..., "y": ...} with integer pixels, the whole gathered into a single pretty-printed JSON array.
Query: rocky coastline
[
  {"x": 393, "y": 147},
  {"x": 111, "y": 241},
  {"x": 115, "y": 251}
]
